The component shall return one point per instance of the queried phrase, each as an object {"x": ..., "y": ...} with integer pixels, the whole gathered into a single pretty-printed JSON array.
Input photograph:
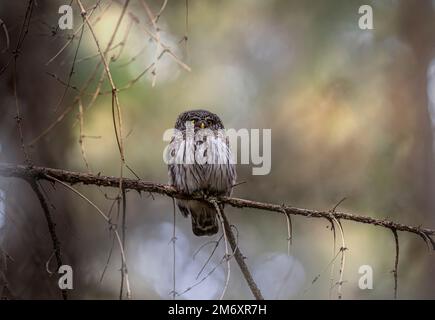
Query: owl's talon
[{"x": 198, "y": 194}]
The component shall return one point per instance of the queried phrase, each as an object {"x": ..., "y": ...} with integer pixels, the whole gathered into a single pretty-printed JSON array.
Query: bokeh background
[{"x": 351, "y": 111}]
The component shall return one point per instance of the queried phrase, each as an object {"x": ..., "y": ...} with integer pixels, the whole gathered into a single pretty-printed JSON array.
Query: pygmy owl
[{"x": 202, "y": 163}]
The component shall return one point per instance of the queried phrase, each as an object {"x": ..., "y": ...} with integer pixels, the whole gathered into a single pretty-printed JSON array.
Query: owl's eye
[
  {"x": 193, "y": 121},
  {"x": 209, "y": 122}
]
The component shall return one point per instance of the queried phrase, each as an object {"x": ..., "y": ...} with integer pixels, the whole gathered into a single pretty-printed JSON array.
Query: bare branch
[
  {"x": 72, "y": 37},
  {"x": 241, "y": 259},
  {"x": 71, "y": 177},
  {"x": 33, "y": 173},
  {"x": 173, "y": 251},
  {"x": 51, "y": 227},
  {"x": 105, "y": 217},
  {"x": 396, "y": 261},
  {"x": 5, "y": 29},
  {"x": 227, "y": 256},
  {"x": 82, "y": 136}
]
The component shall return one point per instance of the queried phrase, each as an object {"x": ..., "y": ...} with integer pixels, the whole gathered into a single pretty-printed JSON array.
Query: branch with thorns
[{"x": 68, "y": 178}]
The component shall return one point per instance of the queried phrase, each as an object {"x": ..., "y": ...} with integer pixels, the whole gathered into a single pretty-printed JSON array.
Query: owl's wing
[
  {"x": 171, "y": 167},
  {"x": 232, "y": 167}
]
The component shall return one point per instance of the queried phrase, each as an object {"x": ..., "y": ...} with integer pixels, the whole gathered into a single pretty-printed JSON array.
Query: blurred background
[{"x": 351, "y": 111}]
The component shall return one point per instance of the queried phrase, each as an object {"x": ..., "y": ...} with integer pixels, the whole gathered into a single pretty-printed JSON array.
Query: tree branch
[
  {"x": 241, "y": 259},
  {"x": 40, "y": 173},
  {"x": 33, "y": 173},
  {"x": 51, "y": 227}
]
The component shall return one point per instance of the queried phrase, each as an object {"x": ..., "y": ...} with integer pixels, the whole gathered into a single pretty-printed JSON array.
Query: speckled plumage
[{"x": 212, "y": 174}]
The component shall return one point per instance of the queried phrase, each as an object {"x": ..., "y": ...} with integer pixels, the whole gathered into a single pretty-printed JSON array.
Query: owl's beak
[{"x": 202, "y": 125}]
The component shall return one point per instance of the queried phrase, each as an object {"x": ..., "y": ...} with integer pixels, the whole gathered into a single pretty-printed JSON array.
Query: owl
[{"x": 203, "y": 166}]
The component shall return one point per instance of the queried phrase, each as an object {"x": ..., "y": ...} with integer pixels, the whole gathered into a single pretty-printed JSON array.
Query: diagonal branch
[
  {"x": 240, "y": 258},
  {"x": 51, "y": 226},
  {"x": 396, "y": 261}
]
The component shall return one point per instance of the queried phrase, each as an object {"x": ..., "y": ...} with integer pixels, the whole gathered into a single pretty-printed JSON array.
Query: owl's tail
[
  {"x": 204, "y": 216},
  {"x": 204, "y": 220}
]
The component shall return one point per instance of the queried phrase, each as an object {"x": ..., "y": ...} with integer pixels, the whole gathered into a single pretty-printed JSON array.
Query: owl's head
[{"x": 201, "y": 119}]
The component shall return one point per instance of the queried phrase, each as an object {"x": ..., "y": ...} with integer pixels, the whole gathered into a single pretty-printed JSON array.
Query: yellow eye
[
  {"x": 193, "y": 121},
  {"x": 209, "y": 122}
]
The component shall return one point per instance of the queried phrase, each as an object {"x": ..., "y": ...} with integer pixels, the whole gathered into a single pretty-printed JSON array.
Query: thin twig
[
  {"x": 227, "y": 252},
  {"x": 317, "y": 277},
  {"x": 186, "y": 34},
  {"x": 18, "y": 116},
  {"x": 115, "y": 101},
  {"x": 62, "y": 82},
  {"x": 123, "y": 234},
  {"x": 157, "y": 39},
  {"x": 82, "y": 136},
  {"x": 173, "y": 252},
  {"x": 5, "y": 29},
  {"x": 216, "y": 244},
  {"x": 133, "y": 58},
  {"x": 108, "y": 259},
  {"x": 343, "y": 258},
  {"x": 334, "y": 245},
  {"x": 57, "y": 121},
  {"x": 105, "y": 217},
  {"x": 124, "y": 40},
  {"x": 167, "y": 49},
  {"x": 289, "y": 231},
  {"x": 334, "y": 220},
  {"x": 96, "y": 55},
  {"x": 72, "y": 37},
  {"x": 71, "y": 72},
  {"x": 16, "y": 53}
]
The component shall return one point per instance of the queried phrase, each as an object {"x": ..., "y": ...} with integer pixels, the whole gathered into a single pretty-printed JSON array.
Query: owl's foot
[
  {"x": 199, "y": 194},
  {"x": 204, "y": 194}
]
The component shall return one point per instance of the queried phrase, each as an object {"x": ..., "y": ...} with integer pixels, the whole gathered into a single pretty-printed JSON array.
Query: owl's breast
[{"x": 202, "y": 166}]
